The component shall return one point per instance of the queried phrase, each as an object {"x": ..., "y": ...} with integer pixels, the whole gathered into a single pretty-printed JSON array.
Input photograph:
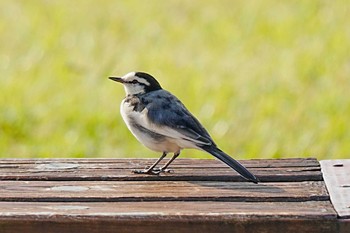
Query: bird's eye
[{"x": 134, "y": 81}]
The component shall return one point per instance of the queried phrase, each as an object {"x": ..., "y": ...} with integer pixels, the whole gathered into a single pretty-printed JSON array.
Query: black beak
[{"x": 117, "y": 79}]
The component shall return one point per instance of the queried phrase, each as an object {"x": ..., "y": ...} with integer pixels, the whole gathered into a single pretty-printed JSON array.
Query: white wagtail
[{"x": 162, "y": 123}]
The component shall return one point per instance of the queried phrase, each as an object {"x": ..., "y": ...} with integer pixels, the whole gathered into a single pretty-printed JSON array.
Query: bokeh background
[{"x": 268, "y": 79}]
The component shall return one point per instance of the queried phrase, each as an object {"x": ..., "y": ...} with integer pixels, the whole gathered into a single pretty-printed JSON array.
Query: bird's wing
[{"x": 166, "y": 115}]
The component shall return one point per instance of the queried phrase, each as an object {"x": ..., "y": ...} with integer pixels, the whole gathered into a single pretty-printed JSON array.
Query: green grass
[{"x": 268, "y": 79}]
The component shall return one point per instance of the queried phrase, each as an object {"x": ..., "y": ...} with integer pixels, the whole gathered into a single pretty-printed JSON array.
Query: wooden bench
[{"x": 102, "y": 195}]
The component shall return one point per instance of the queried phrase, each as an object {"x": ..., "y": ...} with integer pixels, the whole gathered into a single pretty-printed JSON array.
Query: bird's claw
[
  {"x": 162, "y": 170},
  {"x": 145, "y": 171},
  {"x": 154, "y": 171}
]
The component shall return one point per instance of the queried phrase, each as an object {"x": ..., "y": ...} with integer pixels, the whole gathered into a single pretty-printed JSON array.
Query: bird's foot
[
  {"x": 145, "y": 171},
  {"x": 162, "y": 170},
  {"x": 154, "y": 171}
]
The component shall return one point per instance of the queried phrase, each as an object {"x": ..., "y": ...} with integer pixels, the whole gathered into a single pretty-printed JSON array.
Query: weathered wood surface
[
  {"x": 184, "y": 169},
  {"x": 160, "y": 191},
  {"x": 102, "y": 195},
  {"x": 167, "y": 217},
  {"x": 336, "y": 174}
]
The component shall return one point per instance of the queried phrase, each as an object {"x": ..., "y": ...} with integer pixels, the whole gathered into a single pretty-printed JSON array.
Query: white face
[{"x": 133, "y": 84}]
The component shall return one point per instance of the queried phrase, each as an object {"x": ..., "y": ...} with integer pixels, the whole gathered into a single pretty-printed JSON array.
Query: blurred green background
[{"x": 268, "y": 79}]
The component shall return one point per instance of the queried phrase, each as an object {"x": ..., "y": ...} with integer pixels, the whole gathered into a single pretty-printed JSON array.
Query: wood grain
[
  {"x": 102, "y": 195},
  {"x": 160, "y": 191},
  {"x": 336, "y": 174},
  {"x": 171, "y": 209},
  {"x": 128, "y": 162},
  {"x": 167, "y": 217},
  {"x": 183, "y": 169}
]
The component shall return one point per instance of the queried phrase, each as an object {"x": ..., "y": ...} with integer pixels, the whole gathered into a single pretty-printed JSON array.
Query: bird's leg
[
  {"x": 150, "y": 170},
  {"x": 164, "y": 168}
]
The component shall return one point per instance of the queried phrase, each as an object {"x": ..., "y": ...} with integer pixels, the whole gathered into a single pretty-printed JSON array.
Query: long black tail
[{"x": 216, "y": 152}]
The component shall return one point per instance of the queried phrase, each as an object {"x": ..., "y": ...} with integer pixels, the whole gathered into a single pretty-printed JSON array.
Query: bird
[{"x": 162, "y": 123}]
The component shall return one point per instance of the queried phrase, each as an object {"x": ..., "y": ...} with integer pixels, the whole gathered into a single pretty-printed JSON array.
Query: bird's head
[{"x": 138, "y": 83}]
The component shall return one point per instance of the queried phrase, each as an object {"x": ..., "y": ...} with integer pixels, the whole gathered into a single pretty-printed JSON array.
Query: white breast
[{"x": 164, "y": 144}]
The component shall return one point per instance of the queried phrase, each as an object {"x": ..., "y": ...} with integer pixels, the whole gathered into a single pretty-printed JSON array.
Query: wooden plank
[
  {"x": 167, "y": 217},
  {"x": 308, "y": 210},
  {"x": 160, "y": 191},
  {"x": 184, "y": 169},
  {"x": 336, "y": 175},
  {"x": 202, "y": 174},
  {"x": 102, "y": 195},
  {"x": 126, "y": 162}
]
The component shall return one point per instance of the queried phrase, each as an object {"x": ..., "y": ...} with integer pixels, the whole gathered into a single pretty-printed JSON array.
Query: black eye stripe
[{"x": 133, "y": 82}]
